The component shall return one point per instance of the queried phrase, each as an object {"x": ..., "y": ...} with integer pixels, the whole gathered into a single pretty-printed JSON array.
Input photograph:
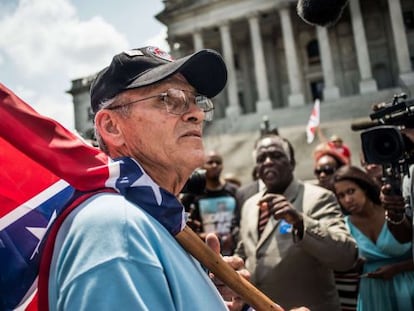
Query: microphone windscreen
[
  {"x": 321, "y": 12},
  {"x": 363, "y": 125}
]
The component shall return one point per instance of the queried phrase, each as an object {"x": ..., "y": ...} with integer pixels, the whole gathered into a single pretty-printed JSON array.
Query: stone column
[
  {"x": 296, "y": 97},
  {"x": 263, "y": 104},
  {"x": 233, "y": 108},
  {"x": 198, "y": 40},
  {"x": 400, "y": 42},
  {"x": 330, "y": 91},
  {"x": 367, "y": 83}
]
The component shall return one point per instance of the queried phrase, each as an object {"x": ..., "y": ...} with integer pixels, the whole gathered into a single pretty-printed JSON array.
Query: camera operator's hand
[
  {"x": 392, "y": 202},
  {"x": 398, "y": 223}
]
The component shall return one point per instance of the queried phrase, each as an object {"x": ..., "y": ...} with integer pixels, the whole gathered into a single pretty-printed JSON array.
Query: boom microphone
[
  {"x": 363, "y": 125},
  {"x": 321, "y": 12}
]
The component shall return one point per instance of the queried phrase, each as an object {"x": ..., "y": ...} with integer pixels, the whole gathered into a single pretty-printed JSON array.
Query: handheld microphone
[
  {"x": 363, "y": 125},
  {"x": 321, "y": 12}
]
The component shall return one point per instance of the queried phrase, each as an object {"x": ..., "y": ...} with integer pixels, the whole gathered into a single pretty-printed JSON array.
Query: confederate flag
[{"x": 44, "y": 168}]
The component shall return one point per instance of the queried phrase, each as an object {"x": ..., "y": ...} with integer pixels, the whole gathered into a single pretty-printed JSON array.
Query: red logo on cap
[{"x": 159, "y": 53}]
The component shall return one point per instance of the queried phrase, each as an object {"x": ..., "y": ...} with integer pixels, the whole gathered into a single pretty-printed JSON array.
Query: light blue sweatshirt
[{"x": 111, "y": 255}]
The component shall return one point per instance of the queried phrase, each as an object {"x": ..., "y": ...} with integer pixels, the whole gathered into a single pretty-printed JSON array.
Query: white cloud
[
  {"x": 61, "y": 110},
  {"x": 24, "y": 93},
  {"x": 44, "y": 45},
  {"x": 46, "y": 36}
]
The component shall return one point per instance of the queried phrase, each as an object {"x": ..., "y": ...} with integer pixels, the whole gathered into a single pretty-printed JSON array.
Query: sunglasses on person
[
  {"x": 178, "y": 102},
  {"x": 327, "y": 170}
]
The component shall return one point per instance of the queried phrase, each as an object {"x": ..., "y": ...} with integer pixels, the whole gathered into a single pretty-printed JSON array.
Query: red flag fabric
[
  {"x": 42, "y": 165},
  {"x": 45, "y": 168},
  {"x": 32, "y": 134}
]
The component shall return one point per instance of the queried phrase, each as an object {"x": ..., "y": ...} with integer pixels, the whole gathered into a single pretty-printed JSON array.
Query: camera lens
[{"x": 382, "y": 145}]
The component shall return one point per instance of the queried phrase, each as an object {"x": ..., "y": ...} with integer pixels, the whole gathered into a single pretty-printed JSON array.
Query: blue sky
[{"x": 44, "y": 44}]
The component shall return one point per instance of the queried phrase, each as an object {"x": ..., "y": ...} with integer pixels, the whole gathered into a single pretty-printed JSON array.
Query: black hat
[{"x": 204, "y": 70}]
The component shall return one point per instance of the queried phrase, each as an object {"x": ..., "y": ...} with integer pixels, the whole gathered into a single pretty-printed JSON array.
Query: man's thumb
[{"x": 213, "y": 242}]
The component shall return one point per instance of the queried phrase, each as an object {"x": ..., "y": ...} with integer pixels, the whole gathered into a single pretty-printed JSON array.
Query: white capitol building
[{"x": 278, "y": 65}]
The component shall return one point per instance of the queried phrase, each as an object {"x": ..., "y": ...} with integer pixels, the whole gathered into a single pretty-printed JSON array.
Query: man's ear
[{"x": 108, "y": 125}]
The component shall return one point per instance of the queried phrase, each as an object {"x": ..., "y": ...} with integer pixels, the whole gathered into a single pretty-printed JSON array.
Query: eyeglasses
[
  {"x": 327, "y": 170},
  {"x": 178, "y": 102}
]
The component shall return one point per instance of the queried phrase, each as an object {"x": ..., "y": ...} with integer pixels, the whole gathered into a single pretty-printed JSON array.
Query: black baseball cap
[{"x": 205, "y": 70}]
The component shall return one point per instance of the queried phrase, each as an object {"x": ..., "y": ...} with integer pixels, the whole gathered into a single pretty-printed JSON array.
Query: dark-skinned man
[{"x": 292, "y": 234}]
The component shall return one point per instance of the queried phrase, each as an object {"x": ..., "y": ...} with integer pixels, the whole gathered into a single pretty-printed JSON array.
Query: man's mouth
[
  {"x": 269, "y": 174},
  {"x": 194, "y": 133}
]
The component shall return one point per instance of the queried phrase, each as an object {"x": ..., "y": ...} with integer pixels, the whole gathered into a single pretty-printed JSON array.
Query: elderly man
[
  {"x": 292, "y": 234},
  {"x": 111, "y": 253}
]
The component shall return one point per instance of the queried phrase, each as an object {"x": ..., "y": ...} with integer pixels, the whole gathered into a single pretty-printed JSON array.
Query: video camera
[{"x": 383, "y": 142}]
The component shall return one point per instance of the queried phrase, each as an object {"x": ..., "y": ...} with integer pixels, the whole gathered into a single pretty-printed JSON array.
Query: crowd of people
[
  {"x": 335, "y": 229},
  {"x": 343, "y": 242}
]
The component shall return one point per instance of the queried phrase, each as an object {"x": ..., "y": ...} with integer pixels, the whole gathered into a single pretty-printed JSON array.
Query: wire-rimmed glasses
[{"x": 178, "y": 102}]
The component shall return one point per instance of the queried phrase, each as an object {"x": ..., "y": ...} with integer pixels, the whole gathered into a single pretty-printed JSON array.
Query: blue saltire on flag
[
  {"x": 43, "y": 167},
  {"x": 21, "y": 232},
  {"x": 156, "y": 201}
]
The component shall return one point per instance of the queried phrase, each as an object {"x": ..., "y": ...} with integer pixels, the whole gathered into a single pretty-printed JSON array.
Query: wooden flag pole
[{"x": 191, "y": 242}]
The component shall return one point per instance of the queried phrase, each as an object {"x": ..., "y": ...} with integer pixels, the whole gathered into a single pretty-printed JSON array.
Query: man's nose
[
  {"x": 194, "y": 114},
  {"x": 268, "y": 160}
]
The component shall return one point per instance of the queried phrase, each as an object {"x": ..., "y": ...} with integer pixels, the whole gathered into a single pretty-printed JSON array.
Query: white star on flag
[
  {"x": 145, "y": 180},
  {"x": 39, "y": 233},
  {"x": 313, "y": 122}
]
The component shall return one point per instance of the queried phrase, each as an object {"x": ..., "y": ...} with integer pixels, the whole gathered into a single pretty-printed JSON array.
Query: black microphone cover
[
  {"x": 363, "y": 125},
  {"x": 321, "y": 12}
]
